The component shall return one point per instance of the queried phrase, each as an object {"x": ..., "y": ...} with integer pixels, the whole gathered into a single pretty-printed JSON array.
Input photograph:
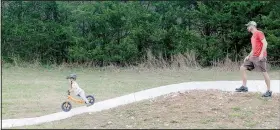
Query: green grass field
[
  {"x": 221, "y": 110},
  {"x": 29, "y": 92}
]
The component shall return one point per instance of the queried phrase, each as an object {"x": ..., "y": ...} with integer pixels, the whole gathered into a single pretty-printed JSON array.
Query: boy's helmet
[{"x": 72, "y": 76}]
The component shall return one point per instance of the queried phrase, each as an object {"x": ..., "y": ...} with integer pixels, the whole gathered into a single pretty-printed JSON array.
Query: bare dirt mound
[{"x": 193, "y": 109}]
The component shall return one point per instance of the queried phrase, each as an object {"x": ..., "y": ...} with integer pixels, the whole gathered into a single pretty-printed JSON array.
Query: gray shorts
[{"x": 254, "y": 63}]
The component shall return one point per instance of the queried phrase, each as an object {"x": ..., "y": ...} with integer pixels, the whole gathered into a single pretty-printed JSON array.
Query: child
[{"x": 74, "y": 87}]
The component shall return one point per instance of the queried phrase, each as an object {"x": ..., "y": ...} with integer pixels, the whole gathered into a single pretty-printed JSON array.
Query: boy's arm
[{"x": 71, "y": 88}]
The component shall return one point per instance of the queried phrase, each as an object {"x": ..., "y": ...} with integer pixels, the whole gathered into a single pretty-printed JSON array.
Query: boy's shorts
[{"x": 254, "y": 62}]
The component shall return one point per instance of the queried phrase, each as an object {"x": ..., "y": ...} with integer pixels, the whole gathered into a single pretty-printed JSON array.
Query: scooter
[{"x": 67, "y": 106}]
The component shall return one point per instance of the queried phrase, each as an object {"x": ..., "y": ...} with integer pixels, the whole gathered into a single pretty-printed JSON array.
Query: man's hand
[
  {"x": 261, "y": 56},
  {"x": 246, "y": 58}
]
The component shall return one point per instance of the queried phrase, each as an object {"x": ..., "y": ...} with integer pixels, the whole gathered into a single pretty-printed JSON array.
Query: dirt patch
[{"x": 193, "y": 109}]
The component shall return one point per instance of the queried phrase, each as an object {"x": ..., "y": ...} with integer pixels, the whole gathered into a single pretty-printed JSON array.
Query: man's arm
[
  {"x": 247, "y": 57},
  {"x": 264, "y": 46},
  {"x": 251, "y": 53},
  {"x": 261, "y": 36}
]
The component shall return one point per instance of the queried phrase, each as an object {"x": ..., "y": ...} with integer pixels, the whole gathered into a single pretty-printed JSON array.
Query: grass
[
  {"x": 37, "y": 91},
  {"x": 235, "y": 114},
  {"x": 236, "y": 108},
  {"x": 250, "y": 123},
  {"x": 208, "y": 120},
  {"x": 182, "y": 112}
]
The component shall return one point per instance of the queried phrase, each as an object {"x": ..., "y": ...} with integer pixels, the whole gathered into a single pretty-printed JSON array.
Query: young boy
[{"x": 74, "y": 87}]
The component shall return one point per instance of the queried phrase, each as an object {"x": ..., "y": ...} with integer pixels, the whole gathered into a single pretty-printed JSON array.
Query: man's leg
[
  {"x": 262, "y": 66},
  {"x": 247, "y": 65},
  {"x": 267, "y": 80},
  {"x": 243, "y": 88},
  {"x": 243, "y": 75}
]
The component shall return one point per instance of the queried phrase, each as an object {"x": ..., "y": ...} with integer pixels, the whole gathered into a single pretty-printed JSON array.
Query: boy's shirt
[{"x": 76, "y": 88}]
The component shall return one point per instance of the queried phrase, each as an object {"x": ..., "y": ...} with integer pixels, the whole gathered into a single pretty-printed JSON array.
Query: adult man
[{"x": 256, "y": 59}]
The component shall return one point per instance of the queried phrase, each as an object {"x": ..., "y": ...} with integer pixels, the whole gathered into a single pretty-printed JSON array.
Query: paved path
[{"x": 254, "y": 86}]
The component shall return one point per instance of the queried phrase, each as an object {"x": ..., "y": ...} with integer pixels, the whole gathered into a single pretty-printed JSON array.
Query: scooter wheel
[
  {"x": 91, "y": 99},
  {"x": 66, "y": 106}
]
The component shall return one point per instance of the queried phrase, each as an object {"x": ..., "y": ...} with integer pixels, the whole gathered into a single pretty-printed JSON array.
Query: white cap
[{"x": 251, "y": 23}]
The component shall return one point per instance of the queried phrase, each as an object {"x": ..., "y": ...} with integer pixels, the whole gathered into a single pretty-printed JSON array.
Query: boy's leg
[{"x": 83, "y": 96}]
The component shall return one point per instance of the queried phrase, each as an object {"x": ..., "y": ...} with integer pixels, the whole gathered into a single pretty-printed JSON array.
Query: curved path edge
[{"x": 254, "y": 86}]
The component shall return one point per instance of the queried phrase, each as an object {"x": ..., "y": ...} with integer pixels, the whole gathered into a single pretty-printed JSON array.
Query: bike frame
[{"x": 75, "y": 100}]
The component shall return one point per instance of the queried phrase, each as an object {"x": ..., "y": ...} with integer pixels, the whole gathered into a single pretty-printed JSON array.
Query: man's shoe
[
  {"x": 241, "y": 89},
  {"x": 267, "y": 94}
]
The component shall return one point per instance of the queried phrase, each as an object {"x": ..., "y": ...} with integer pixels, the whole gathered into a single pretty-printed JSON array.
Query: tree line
[{"x": 122, "y": 32}]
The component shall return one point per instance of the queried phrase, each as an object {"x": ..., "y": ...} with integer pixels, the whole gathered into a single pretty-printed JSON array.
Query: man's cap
[{"x": 251, "y": 23}]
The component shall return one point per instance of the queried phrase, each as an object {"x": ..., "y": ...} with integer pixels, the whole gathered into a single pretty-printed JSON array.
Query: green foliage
[{"x": 121, "y": 32}]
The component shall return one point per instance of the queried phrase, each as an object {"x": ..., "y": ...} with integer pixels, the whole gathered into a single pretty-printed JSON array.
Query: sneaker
[
  {"x": 267, "y": 94},
  {"x": 242, "y": 89}
]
